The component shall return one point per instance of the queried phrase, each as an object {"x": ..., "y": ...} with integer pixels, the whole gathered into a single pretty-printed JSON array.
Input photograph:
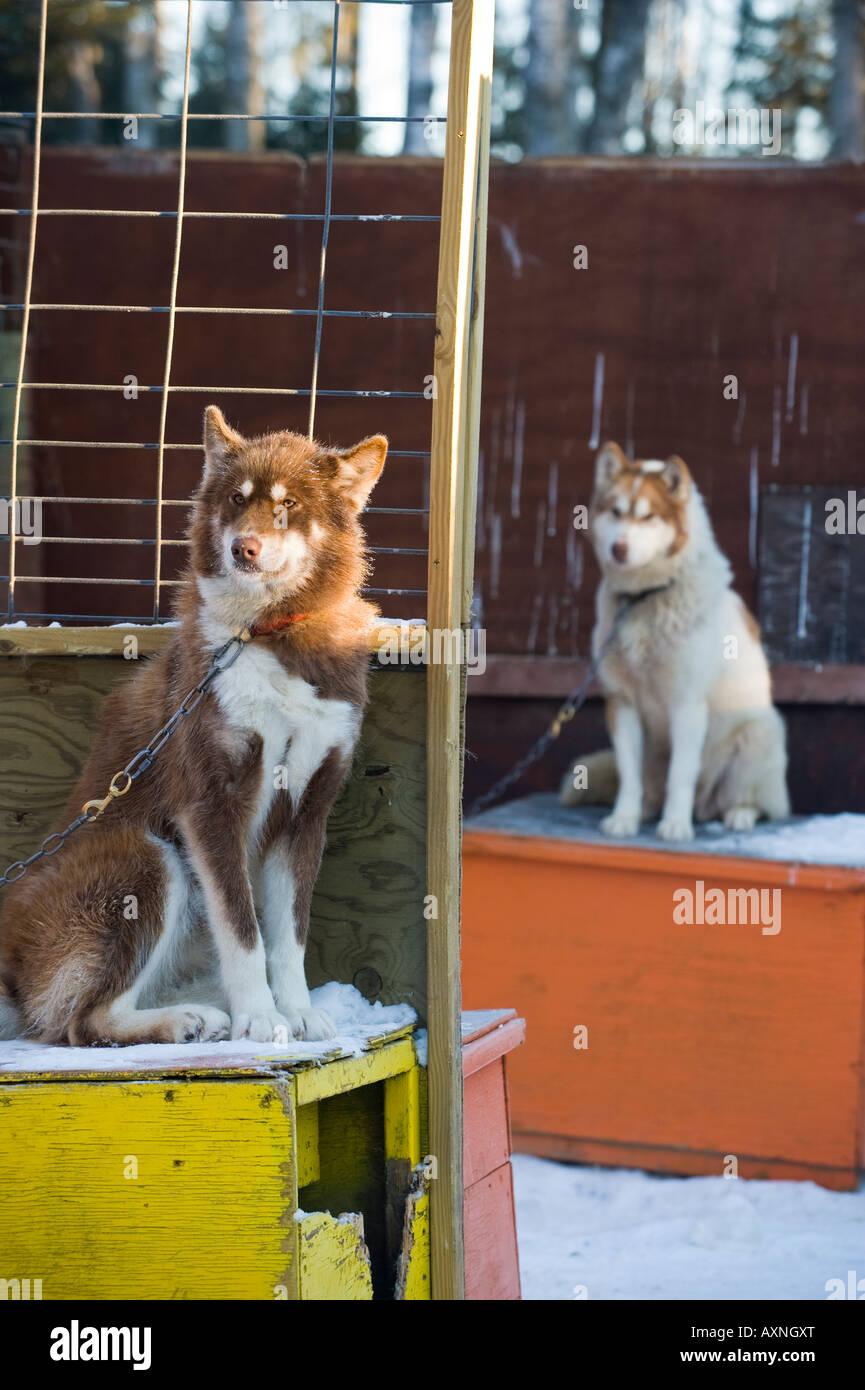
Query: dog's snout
[
  {"x": 619, "y": 552},
  {"x": 245, "y": 548}
]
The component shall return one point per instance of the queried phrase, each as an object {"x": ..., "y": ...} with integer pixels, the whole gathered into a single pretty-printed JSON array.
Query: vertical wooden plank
[
  {"x": 457, "y": 382},
  {"x": 476, "y": 343},
  {"x": 333, "y": 1259},
  {"x": 401, "y": 1152}
]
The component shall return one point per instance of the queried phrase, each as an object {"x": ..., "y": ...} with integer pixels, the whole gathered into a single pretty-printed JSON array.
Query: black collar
[{"x": 628, "y": 599}]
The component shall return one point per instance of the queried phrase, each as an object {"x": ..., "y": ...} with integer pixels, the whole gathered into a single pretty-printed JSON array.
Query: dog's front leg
[
  {"x": 222, "y": 870},
  {"x": 688, "y": 723},
  {"x": 626, "y": 731},
  {"x": 293, "y": 847},
  {"x": 285, "y": 922}
]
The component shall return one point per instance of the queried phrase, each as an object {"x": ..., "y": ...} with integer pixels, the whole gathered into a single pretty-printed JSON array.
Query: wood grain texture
[
  {"x": 475, "y": 348},
  {"x": 453, "y": 418},
  {"x": 367, "y": 911},
  {"x": 401, "y": 1151},
  {"x": 486, "y": 1142},
  {"x": 492, "y": 1262},
  {"x": 703, "y": 1040},
  {"x": 150, "y": 1190},
  {"x": 49, "y": 708},
  {"x": 334, "y": 1259},
  {"x": 349, "y": 1073},
  {"x": 306, "y": 1144},
  {"x": 113, "y": 641},
  {"x": 493, "y": 1042},
  {"x": 413, "y": 1264}
]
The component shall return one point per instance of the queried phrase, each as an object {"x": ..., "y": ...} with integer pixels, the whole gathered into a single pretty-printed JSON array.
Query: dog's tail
[
  {"x": 10, "y": 1019},
  {"x": 591, "y": 781}
]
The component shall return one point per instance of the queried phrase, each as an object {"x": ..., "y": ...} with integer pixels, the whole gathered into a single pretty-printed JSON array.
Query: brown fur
[
  {"x": 66, "y": 947},
  {"x": 631, "y": 483}
]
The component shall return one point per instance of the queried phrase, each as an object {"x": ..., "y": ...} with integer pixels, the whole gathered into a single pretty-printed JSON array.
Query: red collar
[{"x": 264, "y": 629}]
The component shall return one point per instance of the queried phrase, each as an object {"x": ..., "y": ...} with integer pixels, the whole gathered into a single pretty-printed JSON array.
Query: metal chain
[
  {"x": 92, "y": 810},
  {"x": 564, "y": 714}
]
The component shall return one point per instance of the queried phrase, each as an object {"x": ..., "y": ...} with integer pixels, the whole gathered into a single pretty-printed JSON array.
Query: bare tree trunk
[
  {"x": 84, "y": 90},
  {"x": 618, "y": 66},
  {"x": 550, "y": 117},
  {"x": 420, "y": 83},
  {"x": 847, "y": 95},
  {"x": 244, "y": 93},
  {"x": 141, "y": 72}
]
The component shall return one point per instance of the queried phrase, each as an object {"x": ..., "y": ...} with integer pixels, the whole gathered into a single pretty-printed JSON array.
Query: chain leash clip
[{"x": 92, "y": 810}]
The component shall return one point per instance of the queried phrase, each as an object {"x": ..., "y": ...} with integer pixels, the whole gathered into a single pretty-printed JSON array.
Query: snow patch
[
  {"x": 421, "y": 1046},
  {"x": 356, "y": 1019},
  {"x": 836, "y": 840},
  {"x": 620, "y": 1234}
]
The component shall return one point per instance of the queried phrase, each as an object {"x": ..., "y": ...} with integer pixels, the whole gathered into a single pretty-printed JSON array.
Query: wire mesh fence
[{"x": 90, "y": 563}]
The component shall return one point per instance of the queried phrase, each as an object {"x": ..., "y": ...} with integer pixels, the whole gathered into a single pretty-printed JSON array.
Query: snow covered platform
[
  {"x": 361, "y": 1027},
  {"x": 692, "y": 1008},
  {"x": 836, "y": 840}
]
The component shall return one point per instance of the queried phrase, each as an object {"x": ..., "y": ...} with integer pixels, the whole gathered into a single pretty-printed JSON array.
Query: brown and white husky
[
  {"x": 196, "y": 886},
  {"x": 687, "y": 685}
]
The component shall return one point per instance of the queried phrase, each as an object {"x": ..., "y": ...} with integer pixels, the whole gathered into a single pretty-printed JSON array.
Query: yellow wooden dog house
[{"x": 139, "y": 1177}]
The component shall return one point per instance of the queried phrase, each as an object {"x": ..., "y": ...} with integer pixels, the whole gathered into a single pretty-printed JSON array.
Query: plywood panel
[{"x": 368, "y": 904}]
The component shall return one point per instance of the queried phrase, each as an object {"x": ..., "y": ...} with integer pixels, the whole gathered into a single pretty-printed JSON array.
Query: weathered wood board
[
  {"x": 368, "y": 925},
  {"x": 150, "y": 1189}
]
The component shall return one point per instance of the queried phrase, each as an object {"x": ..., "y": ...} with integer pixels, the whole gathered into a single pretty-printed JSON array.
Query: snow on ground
[{"x": 622, "y": 1234}]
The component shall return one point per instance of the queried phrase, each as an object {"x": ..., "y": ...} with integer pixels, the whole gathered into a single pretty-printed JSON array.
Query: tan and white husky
[
  {"x": 196, "y": 886},
  {"x": 687, "y": 685}
]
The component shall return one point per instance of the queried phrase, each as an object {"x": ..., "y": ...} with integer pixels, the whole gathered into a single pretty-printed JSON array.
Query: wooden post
[{"x": 451, "y": 542}]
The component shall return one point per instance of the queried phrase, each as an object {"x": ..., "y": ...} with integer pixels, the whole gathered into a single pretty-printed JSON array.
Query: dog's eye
[{"x": 238, "y": 499}]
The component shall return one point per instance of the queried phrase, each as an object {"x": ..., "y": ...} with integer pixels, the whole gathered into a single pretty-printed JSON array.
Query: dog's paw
[
  {"x": 621, "y": 824},
  {"x": 741, "y": 818},
  {"x": 675, "y": 828},
  {"x": 199, "y": 1023},
  {"x": 310, "y": 1024},
  {"x": 265, "y": 1027}
]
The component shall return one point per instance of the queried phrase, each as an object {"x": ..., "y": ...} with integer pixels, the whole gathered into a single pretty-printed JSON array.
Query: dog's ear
[
  {"x": 675, "y": 476},
  {"x": 220, "y": 441},
  {"x": 609, "y": 463},
  {"x": 355, "y": 472}
]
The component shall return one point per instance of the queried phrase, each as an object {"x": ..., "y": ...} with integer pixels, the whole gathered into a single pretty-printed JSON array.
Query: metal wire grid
[{"x": 172, "y": 309}]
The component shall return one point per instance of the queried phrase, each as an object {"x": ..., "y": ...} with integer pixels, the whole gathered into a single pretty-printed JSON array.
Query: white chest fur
[{"x": 298, "y": 728}]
